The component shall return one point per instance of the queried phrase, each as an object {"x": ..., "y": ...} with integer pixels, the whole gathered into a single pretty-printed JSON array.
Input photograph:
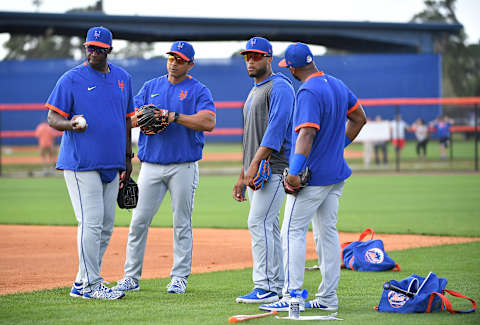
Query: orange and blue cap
[
  {"x": 182, "y": 49},
  {"x": 99, "y": 36},
  {"x": 297, "y": 55},
  {"x": 258, "y": 45}
]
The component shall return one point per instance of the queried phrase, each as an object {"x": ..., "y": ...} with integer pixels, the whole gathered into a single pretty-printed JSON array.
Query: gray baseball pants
[
  {"x": 264, "y": 227},
  {"x": 94, "y": 205},
  {"x": 153, "y": 182},
  {"x": 320, "y": 205}
]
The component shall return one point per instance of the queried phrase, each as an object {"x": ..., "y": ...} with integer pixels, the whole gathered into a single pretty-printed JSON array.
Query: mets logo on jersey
[
  {"x": 396, "y": 300},
  {"x": 96, "y": 34},
  {"x": 374, "y": 256},
  {"x": 121, "y": 84},
  {"x": 183, "y": 94}
]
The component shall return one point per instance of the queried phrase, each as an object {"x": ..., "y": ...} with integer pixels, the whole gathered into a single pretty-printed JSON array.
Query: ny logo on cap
[
  {"x": 96, "y": 34},
  {"x": 253, "y": 41},
  {"x": 180, "y": 45}
]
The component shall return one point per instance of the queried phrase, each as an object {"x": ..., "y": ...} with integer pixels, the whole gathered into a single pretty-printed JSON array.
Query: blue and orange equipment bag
[
  {"x": 416, "y": 294},
  {"x": 367, "y": 255}
]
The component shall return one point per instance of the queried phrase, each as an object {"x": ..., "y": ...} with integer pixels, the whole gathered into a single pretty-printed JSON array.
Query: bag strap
[
  {"x": 448, "y": 304},
  {"x": 365, "y": 233}
]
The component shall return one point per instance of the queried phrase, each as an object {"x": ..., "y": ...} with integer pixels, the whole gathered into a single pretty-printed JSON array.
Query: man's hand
[
  {"x": 77, "y": 127},
  {"x": 294, "y": 184},
  {"x": 294, "y": 181},
  {"x": 239, "y": 191},
  {"x": 134, "y": 120},
  {"x": 251, "y": 173}
]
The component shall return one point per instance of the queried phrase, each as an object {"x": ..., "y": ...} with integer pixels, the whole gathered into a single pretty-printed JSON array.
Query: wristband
[
  {"x": 176, "y": 117},
  {"x": 347, "y": 141},
  {"x": 296, "y": 166}
]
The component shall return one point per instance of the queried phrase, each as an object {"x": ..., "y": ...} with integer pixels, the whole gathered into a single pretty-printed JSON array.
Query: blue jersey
[
  {"x": 177, "y": 143},
  {"x": 323, "y": 103},
  {"x": 105, "y": 100},
  {"x": 267, "y": 120},
  {"x": 443, "y": 130}
]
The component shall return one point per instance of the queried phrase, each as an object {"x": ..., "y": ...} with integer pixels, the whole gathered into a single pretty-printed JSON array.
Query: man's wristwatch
[
  {"x": 176, "y": 117},
  {"x": 130, "y": 155}
]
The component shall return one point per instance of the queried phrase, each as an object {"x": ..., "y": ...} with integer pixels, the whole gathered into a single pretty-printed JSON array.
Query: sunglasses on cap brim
[
  {"x": 255, "y": 56},
  {"x": 179, "y": 60}
]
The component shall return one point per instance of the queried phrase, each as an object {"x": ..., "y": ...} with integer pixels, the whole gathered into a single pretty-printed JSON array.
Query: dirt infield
[{"x": 44, "y": 257}]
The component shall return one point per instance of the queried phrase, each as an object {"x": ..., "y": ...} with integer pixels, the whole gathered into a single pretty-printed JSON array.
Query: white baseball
[{"x": 81, "y": 122}]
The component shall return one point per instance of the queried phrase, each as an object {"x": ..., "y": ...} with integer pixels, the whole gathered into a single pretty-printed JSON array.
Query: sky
[{"x": 333, "y": 10}]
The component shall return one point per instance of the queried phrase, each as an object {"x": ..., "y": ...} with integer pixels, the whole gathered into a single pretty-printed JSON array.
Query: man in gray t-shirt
[{"x": 267, "y": 131}]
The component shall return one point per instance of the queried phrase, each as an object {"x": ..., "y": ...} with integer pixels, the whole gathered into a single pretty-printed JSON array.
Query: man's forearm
[
  {"x": 261, "y": 154},
  {"x": 353, "y": 129},
  {"x": 58, "y": 122},
  {"x": 199, "y": 122},
  {"x": 129, "y": 137}
]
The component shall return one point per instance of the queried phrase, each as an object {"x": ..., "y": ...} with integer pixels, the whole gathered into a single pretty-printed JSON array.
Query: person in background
[
  {"x": 380, "y": 146},
  {"x": 397, "y": 130},
  {"x": 421, "y": 133},
  {"x": 46, "y": 144},
  {"x": 367, "y": 149},
  {"x": 442, "y": 124}
]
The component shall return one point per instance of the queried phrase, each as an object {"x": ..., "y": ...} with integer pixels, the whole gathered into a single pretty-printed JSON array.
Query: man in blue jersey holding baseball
[
  {"x": 93, "y": 153},
  {"x": 267, "y": 119},
  {"x": 170, "y": 163},
  {"x": 323, "y": 106}
]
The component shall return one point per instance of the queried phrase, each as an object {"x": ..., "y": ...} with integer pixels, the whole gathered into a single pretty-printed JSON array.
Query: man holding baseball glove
[
  {"x": 323, "y": 105},
  {"x": 267, "y": 118},
  {"x": 92, "y": 153},
  {"x": 173, "y": 111}
]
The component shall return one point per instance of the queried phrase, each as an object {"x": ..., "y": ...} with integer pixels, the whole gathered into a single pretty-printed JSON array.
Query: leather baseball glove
[
  {"x": 152, "y": 119},
  {"x": 263, "y": 175},
  {"x": 304, "y": 178},
  {"x": 128, "y": 195}
]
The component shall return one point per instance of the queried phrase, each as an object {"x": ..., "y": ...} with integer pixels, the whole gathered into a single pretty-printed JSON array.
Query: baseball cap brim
[
  {"x": 180, "y": 54},
  {"x": 97, "y": 43},
  {"x": 255, "y": 51},
  {"x": 283, "y": 64}
]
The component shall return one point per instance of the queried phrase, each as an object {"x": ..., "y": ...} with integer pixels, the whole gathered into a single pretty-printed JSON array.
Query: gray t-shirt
[{"x": 267, "y": 121}]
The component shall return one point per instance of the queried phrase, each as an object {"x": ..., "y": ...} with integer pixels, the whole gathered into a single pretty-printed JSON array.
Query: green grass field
[
  {"x": 210, "y": 297},
  {"x": 419, "y": 204},
  {"x": 422, "y": 204}
]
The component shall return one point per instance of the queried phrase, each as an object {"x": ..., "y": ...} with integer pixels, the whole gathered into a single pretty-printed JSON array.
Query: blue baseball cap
[
  {"x": 258, "y": 45},
  {"x": 183, "y": 49},
  {"x": 297, "y": 55},
  {"x": 99, "y": 36}
]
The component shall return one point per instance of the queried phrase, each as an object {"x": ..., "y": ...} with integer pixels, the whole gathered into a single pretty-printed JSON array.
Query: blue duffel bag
[{"x": 367, "y": 255}]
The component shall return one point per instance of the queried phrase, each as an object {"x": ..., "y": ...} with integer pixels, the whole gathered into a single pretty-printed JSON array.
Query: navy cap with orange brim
[
  {"x": 258, "y": 45},
  {"x": 99, "y": 36},
  {"x": 183, "y": 49}
]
